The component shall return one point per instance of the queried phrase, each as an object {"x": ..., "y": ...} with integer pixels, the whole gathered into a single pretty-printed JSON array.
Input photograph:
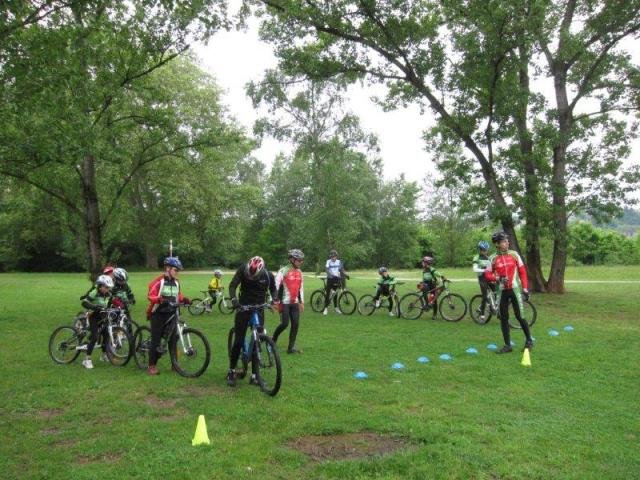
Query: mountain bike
[
  {"x": 346, "y": 300},
  {"x": 200, "y": 305},
  {"x": 260, "y": 351},
  {"x": 529, "y": 312},
  {"x": 451, "y": 306},
  {"x": 367, "y": 304},
  {"x": 66, "y": 342},
  {"x": 121, "y": 317},
  {"x": 188, "y": 348}
]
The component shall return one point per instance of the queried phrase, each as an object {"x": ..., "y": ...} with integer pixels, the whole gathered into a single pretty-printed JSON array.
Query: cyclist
[
  {"x": 386, "y": 284},
  {"x": 255, "y": 282},
  {"x": 290, "y": 288},
  {"x": 335, "y": 279},
  {"x": 121, "y": 290},
  {"x": 215, "y": 287},
  {"x": 510, "y": 273},
  {"x": 97, "y": 300},
  {"x": 430, "y": 277},
  {"x": 164, "y": 296},
  {"x": 481, "y": 262}
]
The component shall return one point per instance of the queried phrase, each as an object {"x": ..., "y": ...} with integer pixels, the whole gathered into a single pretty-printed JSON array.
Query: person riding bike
[
  {"x": 255, "y": 281},
  {"x": 335, "y": 279},
  {"x": 430, "y": 277},
  {"x": 122, "y": 294},
  {"x": 290, "y": 288},
  {"x": 386, "y": 284},
  {"x": 510, "y": 273},
  {"x": 97, "y": 300},
  {"x": 481, "y": 262},
  {"x": 215, "y": 287},
  {"x": 164, "y": 296}
]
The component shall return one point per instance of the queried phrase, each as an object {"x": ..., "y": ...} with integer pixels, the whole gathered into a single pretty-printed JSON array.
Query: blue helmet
[
  {"x": 483, "y": 245},
  {"x": 173, "y": 262}
]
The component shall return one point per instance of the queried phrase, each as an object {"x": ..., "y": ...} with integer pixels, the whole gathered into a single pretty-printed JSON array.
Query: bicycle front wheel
[
  {"x": 347, "y": 303},
  {"x": 529, "y": 313},
  {"x": 142, "y": 346},
  {"x": 411, "y": 306},
  {"x": 243, "y": 356},
  {"x": 452, "y": 307},
  {"x": 190, "y": 356},
  {"x": 366, "y": 305},
  {"x": 317, "y": 301},
  {"x": 119, "y": 347},
  {"x": 267, "y": 365},
  {"x": 63, "y": 345},
  {"x": 225, "y": 306},
  {"x": 476, "y": 313},
  {"x": 197, "y": 307}
]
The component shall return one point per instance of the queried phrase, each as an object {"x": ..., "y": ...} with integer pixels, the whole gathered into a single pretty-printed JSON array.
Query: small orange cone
[
  {"x": 201, "y": 437},
  {"x": 526, "y": 358}
]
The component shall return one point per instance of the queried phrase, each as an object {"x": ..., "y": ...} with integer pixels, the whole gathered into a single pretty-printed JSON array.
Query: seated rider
[
  {"x": 386, "y": 285},
  {"x": 481, "y": 263},
  {"x": 122, "y": 294},
  {"x": 164, "y": 297},
  {"x": 215, "y": 287},
  {"x": 255, "y": 281},
  {"x": 335, "y": 280},
  {"x": 430, "y": 277},
  {"x": 97, "y": 300}
]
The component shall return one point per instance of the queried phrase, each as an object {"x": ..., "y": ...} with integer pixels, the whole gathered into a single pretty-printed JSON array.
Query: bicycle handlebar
[{"x": 247, "y": 308}]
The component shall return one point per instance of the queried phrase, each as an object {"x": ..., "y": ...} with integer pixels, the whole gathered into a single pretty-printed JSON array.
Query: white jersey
[{"x": 333, "y": 268}]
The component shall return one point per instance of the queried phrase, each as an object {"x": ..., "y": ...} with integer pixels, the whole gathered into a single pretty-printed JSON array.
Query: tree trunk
[{"x": 92, "y": 216}]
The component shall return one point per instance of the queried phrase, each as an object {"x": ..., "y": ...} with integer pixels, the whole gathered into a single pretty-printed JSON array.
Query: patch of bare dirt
[
  {"x": 107, "y": 457},
  {"x": 348, "y": 446},
  {"x": 154, "y": 401},
  {"x": 49, "y": 413},
  {"x": 50, "y": 431},
  {"x": 199, "y": 391}
]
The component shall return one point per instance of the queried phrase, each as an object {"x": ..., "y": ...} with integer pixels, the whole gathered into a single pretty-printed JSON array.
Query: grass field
[{"x": 573, "y": 414}]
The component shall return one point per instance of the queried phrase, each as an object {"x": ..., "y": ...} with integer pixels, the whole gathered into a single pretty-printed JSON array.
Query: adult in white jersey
[{"x": 335, "y": 276}]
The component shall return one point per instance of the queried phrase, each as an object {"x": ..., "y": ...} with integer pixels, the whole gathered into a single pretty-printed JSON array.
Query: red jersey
[
  {"x": 290, "y": 279},
  {"x": 506, "y": 265}
]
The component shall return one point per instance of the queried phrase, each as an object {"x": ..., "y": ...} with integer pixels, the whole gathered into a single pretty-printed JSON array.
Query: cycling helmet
[
  {"x": 499, "y": 236},
  {"x": 173, "y": 262},
  {"x": 428, "y": 260},
  {"x": 296, "y": 254},
  {"x": 333, "y": 253},
  {"x": 120, "y": 274},
  {"x": 254, "y": 267},
  {"x": 108, "y": 270},
  {"x": 483, "y": 245},
  {"x": 217, "y": 273},
  {"x": 381, "y": 270},
  {"x": 105, "y": 280}
]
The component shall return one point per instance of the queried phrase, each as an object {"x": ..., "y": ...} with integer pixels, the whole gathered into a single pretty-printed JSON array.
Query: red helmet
[
  {"x": 255, "y": 266},
  {"x": 108, "y": 270},
  {"x": 427, "y": 260}
]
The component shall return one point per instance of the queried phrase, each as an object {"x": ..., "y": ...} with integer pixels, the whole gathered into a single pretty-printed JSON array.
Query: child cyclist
[
  {"x": 215, "y": 288},
  {"x": 336, "y": 275},
  {"x": 290, "y": 288},
  {"x": 97, "y": 300},
  {"x": 480, "y": 264},
  {"x": 510, "y": 273},
  {"x": 255, "y": 281},
  {"x": 430, "y": 277},
  {"x": 386, "y": 284}
]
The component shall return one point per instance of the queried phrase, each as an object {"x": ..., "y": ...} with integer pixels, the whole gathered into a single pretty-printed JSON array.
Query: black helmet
[{"x": 499, "y": 236}]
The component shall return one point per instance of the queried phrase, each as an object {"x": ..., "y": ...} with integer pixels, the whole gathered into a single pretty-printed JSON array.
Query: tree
[{"x": 470, "y": 63}]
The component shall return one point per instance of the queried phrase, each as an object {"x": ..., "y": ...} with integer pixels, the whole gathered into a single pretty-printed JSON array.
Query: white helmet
[
  {"x": 105, "y": 280},
  {"x": 217, "y": 272},
  {"x": 120, "y": 274}
]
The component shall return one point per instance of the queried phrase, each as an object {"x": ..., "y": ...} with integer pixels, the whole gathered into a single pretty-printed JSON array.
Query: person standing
[
  {"x": 481, "y": 262},
  {"x": 290, "y": 288},
  {"x": 334, "y": 269}
]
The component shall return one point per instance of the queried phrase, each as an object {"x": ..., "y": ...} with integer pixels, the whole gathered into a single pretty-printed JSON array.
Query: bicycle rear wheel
[
  {"x": 64, "y": 343},
  {"x": 141, "y": 346},
  {"x": 267, "y": 365},
  {"x": 317, "y": 301},
  {"x": 366, "y": 305},
  {"x": 243, "y": 356},
  {"x": 411, "y": 306},
  {"x": 119, "y": 347},
  {"x": 529, "y": 313},
  {"x": 225, "y": 306},
  {"x": 190, "y": 356},
  {"x": 347, "y": 303},
  {"x": 197, "y": 307},
  {"x": 476, "y": 313},
  {"x": 452, "y": 307}
]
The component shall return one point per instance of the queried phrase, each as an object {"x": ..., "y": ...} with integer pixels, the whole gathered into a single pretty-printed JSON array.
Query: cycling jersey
[
  {"x": 480, "y": 264},
  {"x": 215, "y": 284},
  {"x": 431, "y": 275},
  {"x": 505, "y": 265},
  {"x": 163, "y": 289},
  {"x": 94, "y": 300},
  {"x": 252, "y": 290},
  {"x": 289, "y": 284},
  {"x": 123, "y": 292},
  {"x": 334, "y": 268}
]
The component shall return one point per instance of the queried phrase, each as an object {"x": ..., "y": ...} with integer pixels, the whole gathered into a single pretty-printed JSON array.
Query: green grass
[{"x": 573, "y": 414}]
